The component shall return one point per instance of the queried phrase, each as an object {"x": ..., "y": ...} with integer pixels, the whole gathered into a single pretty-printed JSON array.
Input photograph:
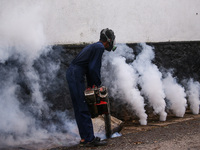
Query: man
[{"x": 87, "y": 63}]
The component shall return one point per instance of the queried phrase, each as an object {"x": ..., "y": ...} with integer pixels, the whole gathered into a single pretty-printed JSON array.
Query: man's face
[{"x": 107, "y": 45}]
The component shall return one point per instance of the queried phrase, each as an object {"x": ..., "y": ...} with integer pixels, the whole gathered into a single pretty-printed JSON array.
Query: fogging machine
[
  {"x": 97, "y": 100},
  {"x": 98, "y": 104}
]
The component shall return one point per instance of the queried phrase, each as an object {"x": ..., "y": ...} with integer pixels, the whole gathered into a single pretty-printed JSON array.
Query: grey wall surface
[{"x": 182, "y": 57}]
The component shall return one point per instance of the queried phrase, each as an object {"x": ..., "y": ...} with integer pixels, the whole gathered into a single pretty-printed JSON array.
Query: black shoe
[{"x": 96, "y": 142}]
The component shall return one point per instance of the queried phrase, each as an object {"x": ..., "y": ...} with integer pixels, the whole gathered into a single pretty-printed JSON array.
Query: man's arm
[{"x": 94, "y": 76}]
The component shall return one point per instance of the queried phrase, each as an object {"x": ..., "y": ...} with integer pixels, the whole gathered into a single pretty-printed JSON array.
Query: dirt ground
[{"x": 173, "y": 134}]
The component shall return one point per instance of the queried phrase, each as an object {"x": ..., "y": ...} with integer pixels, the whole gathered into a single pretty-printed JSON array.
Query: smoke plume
[
  {"x": 193, "y": 91},
  {"x": 176, "y": 95},
  {"x": 123, "y": 72},
  {"x": 151, "y": 80},
  {"x": 121, "y": 78},
  {"x": 26, "y": 75}
]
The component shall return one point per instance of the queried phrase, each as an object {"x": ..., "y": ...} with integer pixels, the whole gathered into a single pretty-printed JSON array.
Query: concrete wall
[
  {"x": 132, "y": 20},
  {"x": 78, "y": 21}
]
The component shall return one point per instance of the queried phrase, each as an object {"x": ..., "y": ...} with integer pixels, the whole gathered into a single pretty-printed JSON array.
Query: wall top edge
[{"x": 80, "y": 45}]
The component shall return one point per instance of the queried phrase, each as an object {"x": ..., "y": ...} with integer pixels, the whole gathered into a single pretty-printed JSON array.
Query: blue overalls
[{"x": 87, "y": 63}]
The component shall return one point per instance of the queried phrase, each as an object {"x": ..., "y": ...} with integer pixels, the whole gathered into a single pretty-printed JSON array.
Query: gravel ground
[
  {"x": 173, "y": 134},
  {"x": 176, "y": 134}
]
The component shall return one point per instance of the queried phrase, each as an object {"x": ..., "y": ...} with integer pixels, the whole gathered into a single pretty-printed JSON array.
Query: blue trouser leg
[{"x": 75, "y": 78}]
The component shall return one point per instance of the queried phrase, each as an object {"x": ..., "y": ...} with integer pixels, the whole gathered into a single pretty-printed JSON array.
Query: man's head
[{"x": 107, "y": 36}]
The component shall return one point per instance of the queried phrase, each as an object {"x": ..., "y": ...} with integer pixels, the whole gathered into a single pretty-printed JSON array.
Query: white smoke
[
  {"x": 21, "y": 29},
  {"x": 151, "y": 80},
  {"x": 12, "y": 118},
  {"x": 22, "y": 39},
  {"x": 122, "y": 71},
  {"x": 122, "y": 80},
  {"x": 193, "y": 92},
  {"x": 175, "y": 93}
]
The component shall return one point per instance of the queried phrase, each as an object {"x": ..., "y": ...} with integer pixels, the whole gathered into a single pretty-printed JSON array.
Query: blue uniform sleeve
[{"x": 94, "y": 68}]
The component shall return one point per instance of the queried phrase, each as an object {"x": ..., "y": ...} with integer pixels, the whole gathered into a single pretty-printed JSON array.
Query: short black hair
[{"x": 109, "y": 33}]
